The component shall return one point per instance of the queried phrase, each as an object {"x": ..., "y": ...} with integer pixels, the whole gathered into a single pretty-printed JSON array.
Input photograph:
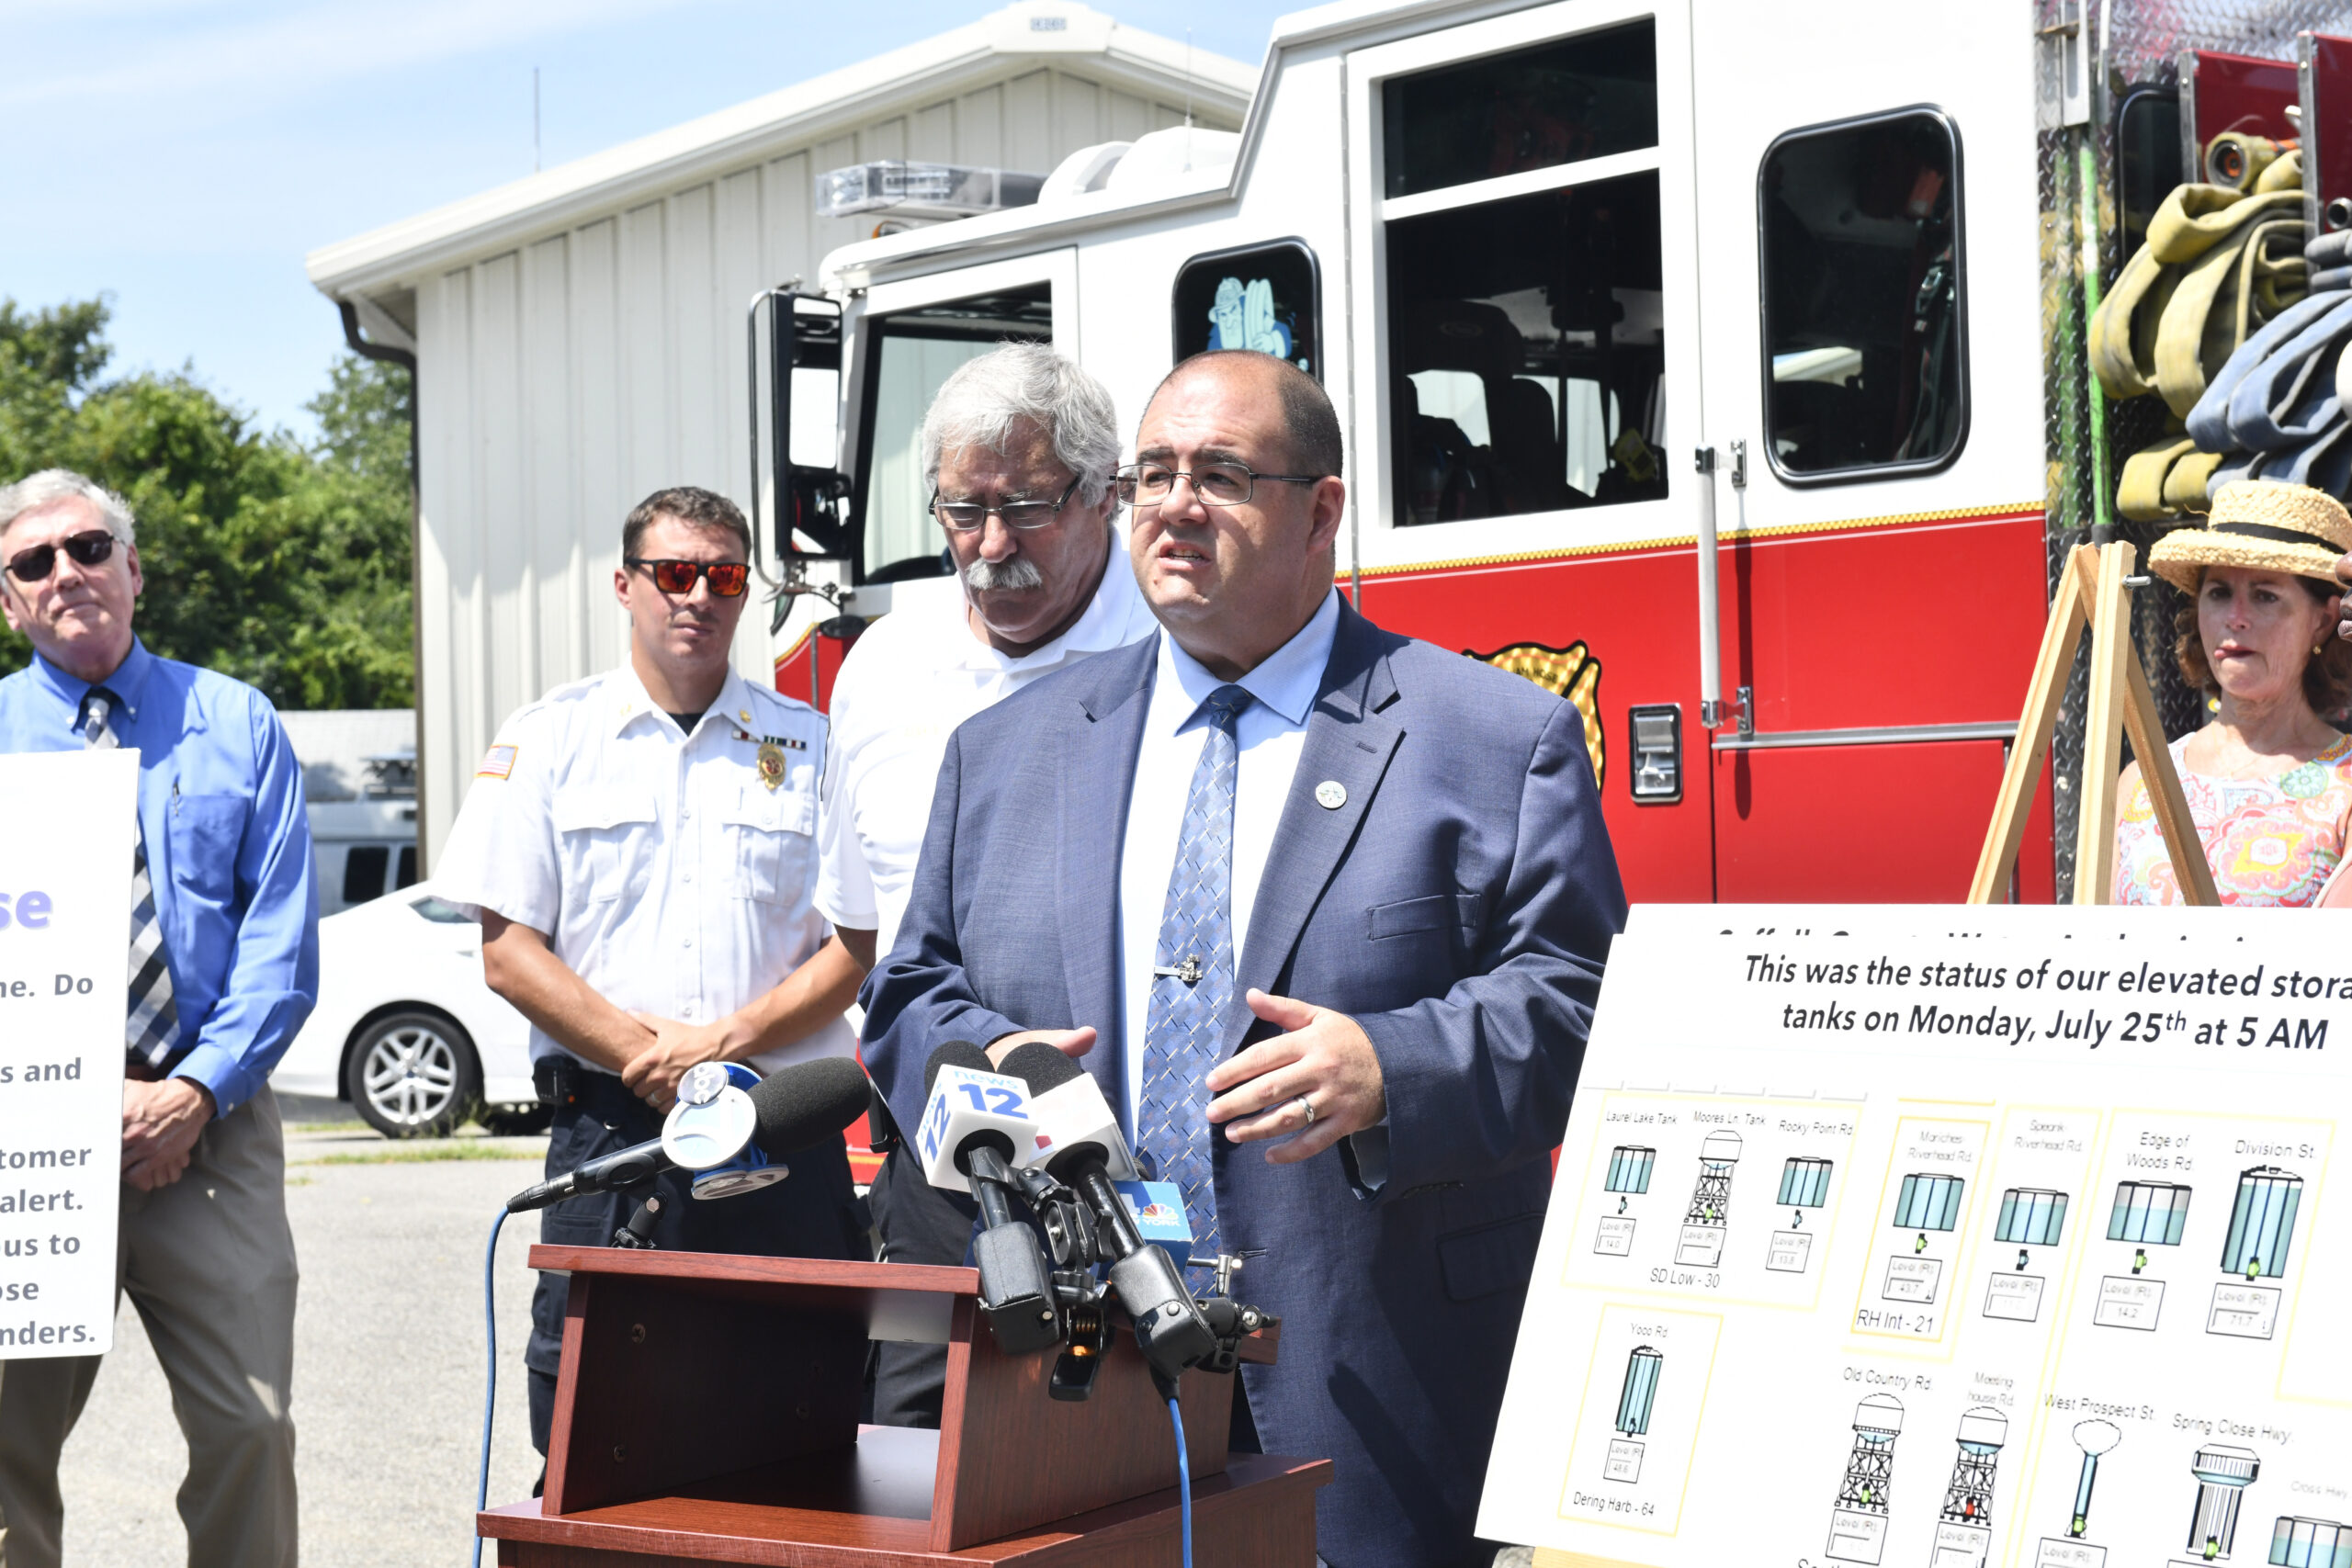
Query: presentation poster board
[
  {"x": 1946, "y": 1237},
  {"x": 65, "y": 868}
]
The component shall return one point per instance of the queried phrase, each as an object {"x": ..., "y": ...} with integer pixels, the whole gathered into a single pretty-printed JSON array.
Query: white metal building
[{"x": 578, "y": 335}]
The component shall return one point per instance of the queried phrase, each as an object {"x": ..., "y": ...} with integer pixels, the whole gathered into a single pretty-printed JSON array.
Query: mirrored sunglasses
[{"x": 727, "y": 578}]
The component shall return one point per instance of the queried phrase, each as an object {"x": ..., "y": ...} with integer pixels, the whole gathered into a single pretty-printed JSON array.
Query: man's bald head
[{"x": 1310, "y": 426}]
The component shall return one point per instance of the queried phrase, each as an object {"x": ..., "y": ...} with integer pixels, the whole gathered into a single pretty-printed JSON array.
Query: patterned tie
[
  {"x": 154, "y": 1024},
  {"x": 1192, "y": 986}
]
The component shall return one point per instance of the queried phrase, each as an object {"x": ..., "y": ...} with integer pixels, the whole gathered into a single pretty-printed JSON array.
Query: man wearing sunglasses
[
  {"x": 641, "y": 849},
  {"x": 1018, "y": 449},
  {"x": 1335, "y": 958},
  {"x": 223, "y": 969}
]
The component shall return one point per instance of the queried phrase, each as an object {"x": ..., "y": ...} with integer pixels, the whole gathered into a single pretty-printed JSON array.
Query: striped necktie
[
  {"x": 154, "y": 1028},
  {"x": 1192, "y": 986}
]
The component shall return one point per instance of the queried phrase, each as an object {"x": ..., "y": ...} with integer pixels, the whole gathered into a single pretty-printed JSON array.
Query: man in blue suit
[{"x": 1284, "y": 879}]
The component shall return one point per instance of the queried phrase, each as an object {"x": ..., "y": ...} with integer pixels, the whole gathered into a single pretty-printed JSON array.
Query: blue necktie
[{"x": 1192, "y": 984}]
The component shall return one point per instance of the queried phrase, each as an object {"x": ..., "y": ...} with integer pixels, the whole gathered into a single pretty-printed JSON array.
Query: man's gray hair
[
  {"x": 50, "y": 486},
  {"x": 983, "y": 402}
]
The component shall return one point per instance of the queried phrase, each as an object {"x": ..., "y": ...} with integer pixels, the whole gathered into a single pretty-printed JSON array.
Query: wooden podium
[{"x": 707, "y": 1411}]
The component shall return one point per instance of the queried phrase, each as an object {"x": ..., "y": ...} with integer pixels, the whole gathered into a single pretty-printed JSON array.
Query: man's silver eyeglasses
[
  {"x": 965, "y": 515},
  {"x": 1216, "y": 484}
]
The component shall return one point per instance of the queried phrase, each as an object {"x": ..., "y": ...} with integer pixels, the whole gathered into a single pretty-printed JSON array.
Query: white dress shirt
[
  {"x": 664, "y": 871},
  {"x": 1268, "y": 736},
  {"x": 915, "y": 675}
]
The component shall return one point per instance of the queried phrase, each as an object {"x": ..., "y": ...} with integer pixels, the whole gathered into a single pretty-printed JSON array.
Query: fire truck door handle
[{"x": 1711, "y": 678}]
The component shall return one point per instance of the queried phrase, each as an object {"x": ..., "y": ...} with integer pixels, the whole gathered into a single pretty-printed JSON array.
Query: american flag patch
[{"x": 498, "y": 762}]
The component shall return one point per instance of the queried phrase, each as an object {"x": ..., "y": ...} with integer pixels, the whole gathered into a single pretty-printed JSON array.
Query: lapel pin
[{"x": 1330, "y": 795}]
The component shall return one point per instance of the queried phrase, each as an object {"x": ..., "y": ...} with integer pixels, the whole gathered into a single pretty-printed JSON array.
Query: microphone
[
  {"x": 975, "y": 1130},
  {"x": 1073, "y": 1119},
  {"x": 791, "y": 1109},
  {"x": 1169, "y": 1328}
]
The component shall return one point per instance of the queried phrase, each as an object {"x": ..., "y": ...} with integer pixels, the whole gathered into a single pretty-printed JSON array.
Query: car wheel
[
  {"x": 413, "y": 1075},
  {"x": 518, "y": 1121}
]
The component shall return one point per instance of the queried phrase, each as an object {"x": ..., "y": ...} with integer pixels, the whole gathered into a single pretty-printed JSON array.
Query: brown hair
[
  {"x": 1310, "y": 426},
  {"x": 2328, "y": 680},
  {"x": 689, "y": 505}
]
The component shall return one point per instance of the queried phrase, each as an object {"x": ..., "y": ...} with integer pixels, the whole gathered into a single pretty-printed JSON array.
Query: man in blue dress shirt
[{"x": 223, "y": 964}]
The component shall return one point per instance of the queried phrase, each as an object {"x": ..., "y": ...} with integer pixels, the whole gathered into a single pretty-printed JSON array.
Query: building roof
[{"x": 1040, "y": 30}]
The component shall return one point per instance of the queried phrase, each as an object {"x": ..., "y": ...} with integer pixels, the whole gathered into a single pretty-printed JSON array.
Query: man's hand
[
  {"x": 653, "y": 1073},
  {"x": 1321, "y": 1054},
  {"x": 161, "y": 1122},
  {"x": 1069, "y": 1042}
]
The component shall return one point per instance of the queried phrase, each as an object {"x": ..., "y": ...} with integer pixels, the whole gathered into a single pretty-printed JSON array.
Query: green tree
[{"x": 282, "y": 564}]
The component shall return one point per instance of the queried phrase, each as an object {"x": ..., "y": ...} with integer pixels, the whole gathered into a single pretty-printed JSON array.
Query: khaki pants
[{"x": 208, "y": 1262}]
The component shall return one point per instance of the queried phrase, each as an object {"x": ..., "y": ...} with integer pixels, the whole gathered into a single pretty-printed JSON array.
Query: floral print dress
[{"x": 2271, "y": 842}]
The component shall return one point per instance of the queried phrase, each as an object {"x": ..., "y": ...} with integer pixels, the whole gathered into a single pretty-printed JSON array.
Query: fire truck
[{"x": 1717, "y": 366}]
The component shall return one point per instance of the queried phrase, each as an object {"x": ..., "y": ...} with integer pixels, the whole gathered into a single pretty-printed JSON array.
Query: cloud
[{"x": 187, "y": 56}]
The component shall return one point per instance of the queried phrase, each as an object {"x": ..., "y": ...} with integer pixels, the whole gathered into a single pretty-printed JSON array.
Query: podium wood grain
[{"x": 707, "y": 1407}]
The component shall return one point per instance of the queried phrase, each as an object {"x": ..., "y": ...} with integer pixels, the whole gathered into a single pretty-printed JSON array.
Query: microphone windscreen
[
  {"x": 807, "y": 1103},
  {"x": 955, "y": 1053},
  {"x": 1040, "y": 1066}
]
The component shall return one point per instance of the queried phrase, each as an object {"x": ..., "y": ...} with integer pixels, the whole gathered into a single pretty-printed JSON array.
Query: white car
[{"x": 406, "y": 1029}]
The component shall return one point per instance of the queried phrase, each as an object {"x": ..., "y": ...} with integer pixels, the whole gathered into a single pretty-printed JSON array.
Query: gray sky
[{"x": 183, "y": 155}]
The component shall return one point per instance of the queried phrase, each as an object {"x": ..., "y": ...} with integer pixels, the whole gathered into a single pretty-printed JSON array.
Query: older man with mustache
[{"x": 1019, "y": 445}]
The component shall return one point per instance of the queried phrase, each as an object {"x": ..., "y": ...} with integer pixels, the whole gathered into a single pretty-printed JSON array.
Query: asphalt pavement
[{"x": 389, "y": 1362}]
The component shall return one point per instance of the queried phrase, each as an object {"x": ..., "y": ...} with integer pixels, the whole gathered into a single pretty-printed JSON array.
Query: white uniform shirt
[
  {"x": 915, "y": 675},
  {"x": 664, "y": 871},
  {"x": 1268, "y": 738}
]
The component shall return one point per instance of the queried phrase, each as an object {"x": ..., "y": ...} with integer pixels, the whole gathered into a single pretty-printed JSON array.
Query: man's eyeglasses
[
  {"x": 727, "y": 578},
  {"x": 1216, "y": 484},
  {"x": 965, "y": 515},
  {"x": 35, "y": 565}
]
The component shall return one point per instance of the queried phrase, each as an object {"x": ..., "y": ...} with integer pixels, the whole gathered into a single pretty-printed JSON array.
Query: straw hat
[{"x": 2263, "y": 525}]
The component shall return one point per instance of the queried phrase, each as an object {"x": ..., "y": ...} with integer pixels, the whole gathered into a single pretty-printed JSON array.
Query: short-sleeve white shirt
[
  {"x": 664, "y": 871},
  {"x": 915, "y": 675}
]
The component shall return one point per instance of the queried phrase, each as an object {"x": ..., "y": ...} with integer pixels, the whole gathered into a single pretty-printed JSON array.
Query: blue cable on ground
[
  {"x": 1184, "y": 1481},
  {"x": 489, "y": 1391}
]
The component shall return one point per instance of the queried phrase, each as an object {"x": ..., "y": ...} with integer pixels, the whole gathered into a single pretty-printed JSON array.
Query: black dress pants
[
  {"x": 813, "y": 1212},
  {"x": 920, "y": 1223}
]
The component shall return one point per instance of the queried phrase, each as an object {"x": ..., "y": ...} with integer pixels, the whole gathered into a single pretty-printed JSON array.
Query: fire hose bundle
[{"x": 2212, "y": 292}]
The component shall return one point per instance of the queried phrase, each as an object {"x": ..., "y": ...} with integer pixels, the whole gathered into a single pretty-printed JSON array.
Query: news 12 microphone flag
[{"x": 65, "y": 867}]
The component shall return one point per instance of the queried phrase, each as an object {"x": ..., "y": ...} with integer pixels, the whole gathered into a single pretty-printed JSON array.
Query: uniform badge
[
  {"x": 770, "y": 765},
  {"x": 498, "y": 762}
]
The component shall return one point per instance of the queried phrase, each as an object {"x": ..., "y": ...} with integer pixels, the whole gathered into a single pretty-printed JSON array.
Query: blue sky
[{"x": 183, "y": 156}]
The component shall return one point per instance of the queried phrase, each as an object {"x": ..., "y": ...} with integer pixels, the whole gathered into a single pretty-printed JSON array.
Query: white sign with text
[
  {"x": 65, "y": 867},
  {"x": 1946, "y": 1237}
]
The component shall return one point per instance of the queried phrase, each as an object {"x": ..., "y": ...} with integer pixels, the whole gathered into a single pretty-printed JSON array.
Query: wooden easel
[{"x": 2092, "y": 592}]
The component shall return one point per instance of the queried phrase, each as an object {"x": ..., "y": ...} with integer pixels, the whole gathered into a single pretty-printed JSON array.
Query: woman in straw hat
[{"x": 2269, "y": 781}]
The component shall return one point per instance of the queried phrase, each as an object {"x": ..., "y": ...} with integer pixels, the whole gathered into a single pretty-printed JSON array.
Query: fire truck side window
[
  {"x": 1265, "y": 298},
  {"x": 1865, "y": 348},
  {"x": 911, "y": 355},
  {"x": 1581, "y": 97},
  {"x": 1528, "y": 354}
]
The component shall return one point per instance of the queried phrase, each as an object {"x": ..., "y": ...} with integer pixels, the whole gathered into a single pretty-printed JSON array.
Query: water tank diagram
[
  {"x": 1927, "y": 1204},
  {"x": 1858, "y": 1524},
  {"x": 2262, "y": 1229},
  {"x": 2310, "y": 1543},
  {"x": 1629, "y": 1178},
  {"x": 1634, "y": 1401},
  {"x": 1805, "y": 1184},
  {"x": 2030, "y": 1217},
  {"x": 2146, "y": 1214},
  {"x": 1710, "y": 1212},
  {"x": 2223, "y": 1473},
  {"x": 2095, "y": 1439},
  {"x": 1965, "y": 1528}
]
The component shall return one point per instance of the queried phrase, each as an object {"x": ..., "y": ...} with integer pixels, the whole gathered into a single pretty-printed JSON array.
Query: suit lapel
[
  {"x": 1094, "y": 782},
  {"x": 1348, "y": 743}
]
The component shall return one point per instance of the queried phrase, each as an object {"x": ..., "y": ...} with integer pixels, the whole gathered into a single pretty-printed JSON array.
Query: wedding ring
[{"x": 1306, "y": 1105}]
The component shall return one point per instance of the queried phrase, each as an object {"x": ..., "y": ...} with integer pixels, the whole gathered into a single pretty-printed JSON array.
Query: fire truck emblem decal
[{"x": 1572, "y": 672}]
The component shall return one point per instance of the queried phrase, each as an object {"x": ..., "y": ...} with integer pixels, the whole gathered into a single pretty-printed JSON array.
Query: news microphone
[
  {"x": 975, "y": 1130},
  {"x": 1073, "y": 1119},
  {"x": 790, "y": 1109},
  {"x": 1169, "y": 1328}
]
